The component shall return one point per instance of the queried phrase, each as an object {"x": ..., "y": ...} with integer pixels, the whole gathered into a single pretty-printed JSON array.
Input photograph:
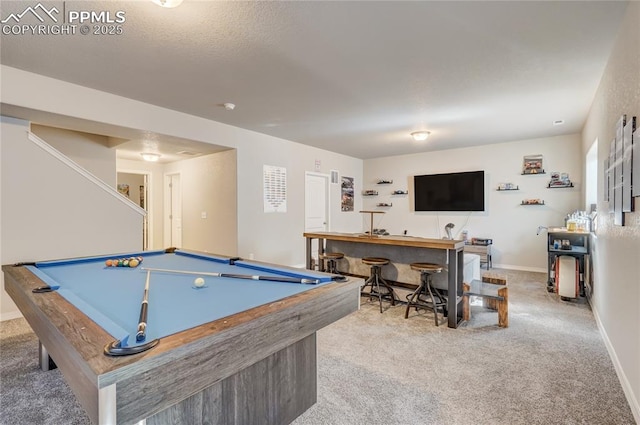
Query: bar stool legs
[
  {"x": 426, "y": 296},
  {"x": 331, "y": 258},
  {"x": 379, "y": 287}
]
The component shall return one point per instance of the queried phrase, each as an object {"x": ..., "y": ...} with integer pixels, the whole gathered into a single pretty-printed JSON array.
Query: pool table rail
[{"x": 183, "y": 364}]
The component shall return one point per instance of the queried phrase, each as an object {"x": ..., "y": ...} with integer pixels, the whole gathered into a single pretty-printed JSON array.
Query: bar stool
[
  {"x": 379, "y": 287},
  {"x": 331, "y": 259},
  {"x": 427, "y": 296}
]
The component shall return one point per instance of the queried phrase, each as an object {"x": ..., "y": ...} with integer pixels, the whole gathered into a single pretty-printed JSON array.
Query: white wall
[
  {"x": 511, "y": 225},
  {"x": 208, "y": 185},
  {"x": 44, "y": 218},
  {"x": 616, "y": 293},
  {"x": 277, "y": 236},
  {"x": 91, "y": 151}
]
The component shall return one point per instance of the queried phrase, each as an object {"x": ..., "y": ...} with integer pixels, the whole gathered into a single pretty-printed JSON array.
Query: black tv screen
[{"x": 449, "y": 192}]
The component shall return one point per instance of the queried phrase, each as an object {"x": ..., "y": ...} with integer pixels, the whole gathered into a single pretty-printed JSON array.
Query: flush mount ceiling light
[
  {"x": 167, "y": 3},
  {"x": 419, "y": 136},
  {"x": 229, "y": 106},
  {"x": 151, "y": 157}
]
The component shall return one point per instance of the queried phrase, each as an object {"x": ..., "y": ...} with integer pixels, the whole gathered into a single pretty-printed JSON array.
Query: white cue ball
[{"x": 199, "y": 282}]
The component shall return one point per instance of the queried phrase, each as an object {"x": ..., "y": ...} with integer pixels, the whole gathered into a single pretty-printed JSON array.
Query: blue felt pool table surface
[{"x": 112, "y": 296}]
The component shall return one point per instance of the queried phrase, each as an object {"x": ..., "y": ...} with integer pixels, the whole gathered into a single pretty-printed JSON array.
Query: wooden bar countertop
[{"x": 397, "y": 240}]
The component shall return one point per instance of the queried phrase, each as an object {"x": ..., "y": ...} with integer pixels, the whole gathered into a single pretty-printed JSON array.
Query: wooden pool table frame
[{"x": 256, "y": 366}]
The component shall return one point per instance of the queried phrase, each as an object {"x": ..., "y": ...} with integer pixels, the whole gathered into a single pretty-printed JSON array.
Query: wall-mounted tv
[{"x": 449, "y": 192}]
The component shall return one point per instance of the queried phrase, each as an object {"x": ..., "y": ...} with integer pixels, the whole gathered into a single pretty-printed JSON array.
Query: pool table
[{"x": 237, "y": 350}]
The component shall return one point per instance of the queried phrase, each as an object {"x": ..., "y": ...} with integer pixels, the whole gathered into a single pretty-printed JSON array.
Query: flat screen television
[{"x": 449, "y": 192}]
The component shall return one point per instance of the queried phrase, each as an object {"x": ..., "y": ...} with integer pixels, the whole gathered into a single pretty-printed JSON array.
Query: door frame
[
  {"x": 148, "y": 200},
  {"x": 327, "y": 188},
  {"x": 167, "y": 207}
]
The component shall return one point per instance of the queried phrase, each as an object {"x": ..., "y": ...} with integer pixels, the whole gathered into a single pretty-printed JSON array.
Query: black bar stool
[
  {"x": 379, "y": 287},
  {"x": 331, "y": 259},
  {"x": 427, "y": 296}
]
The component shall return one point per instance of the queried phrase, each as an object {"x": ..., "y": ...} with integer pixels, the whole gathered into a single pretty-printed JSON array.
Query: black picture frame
[
  {"x": 618, "y": 215},
  {"x": 635, "y": 164},
  {"x": 627, "y": 154},
  {"x": 611, "y": 174}
]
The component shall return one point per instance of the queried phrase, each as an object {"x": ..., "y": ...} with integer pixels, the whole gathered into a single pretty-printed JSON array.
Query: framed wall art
[{"x": 627, "y": 146}]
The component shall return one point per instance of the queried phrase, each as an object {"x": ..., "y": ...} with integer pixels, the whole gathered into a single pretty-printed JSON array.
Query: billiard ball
[
  {"x": 199, "y": 282},
  {"x": 108, "y": 263},
  {"x": 133, "y": 262}
]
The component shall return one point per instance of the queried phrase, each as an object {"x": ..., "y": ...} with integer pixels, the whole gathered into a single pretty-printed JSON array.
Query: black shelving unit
[{"x": 578, "y": 247}]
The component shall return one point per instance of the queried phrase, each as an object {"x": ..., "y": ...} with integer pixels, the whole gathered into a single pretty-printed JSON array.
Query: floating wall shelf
[{"x": 559, "y": 186}]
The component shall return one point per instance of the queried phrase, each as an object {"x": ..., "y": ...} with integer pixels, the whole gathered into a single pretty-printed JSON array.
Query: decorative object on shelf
[
  {"x": 385, "y": 181},
  {"x": 400, "y": 192},
  {"x": 559, "y": 180},
  {"x": 508, "y": 186},
  {"x": 384, "y": 204},
  {"x": 369, "y": 193},
  {"x": 379, "y": 232},
  {"x": 532, "y": 164},
  {"x": 481, "y": 241},
  {"x": 346, "y": 189},
  {"x": 532, "y": 202}
]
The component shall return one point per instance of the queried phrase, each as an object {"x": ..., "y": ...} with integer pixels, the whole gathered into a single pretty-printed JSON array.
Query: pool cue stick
[
  {"x": 240, "y": 276},
  {"x": 142, "y": 325}
]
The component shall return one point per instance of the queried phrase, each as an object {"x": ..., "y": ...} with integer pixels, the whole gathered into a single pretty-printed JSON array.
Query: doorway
[
  {"x": 316, "y": 207},
  {"x": 173, "y": 210},
  {"x": 134, "y": 185}
]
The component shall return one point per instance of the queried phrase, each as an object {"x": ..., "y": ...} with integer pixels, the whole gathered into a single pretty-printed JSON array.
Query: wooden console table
[{"x": 403, "y": 249}]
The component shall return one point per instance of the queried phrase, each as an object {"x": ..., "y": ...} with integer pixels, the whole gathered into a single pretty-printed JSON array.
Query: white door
[
  {"x": 316, "y": 206},
  {"x": 173, "y": 208}
]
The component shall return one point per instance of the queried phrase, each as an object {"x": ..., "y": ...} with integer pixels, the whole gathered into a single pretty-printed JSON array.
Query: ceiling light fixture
[
  {"x": 167, "y": 3},
  {"x": 229, "y": 106},
  {"x": 419, "y": 136},
  {"x": 151, "y": 157}
]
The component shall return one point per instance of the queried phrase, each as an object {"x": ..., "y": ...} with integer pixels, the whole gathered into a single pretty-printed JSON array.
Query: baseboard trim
[
  {"x": 10, "y": 316},
  {"x": 521, "y": 268},
  {"x": 634, "y": 404}
]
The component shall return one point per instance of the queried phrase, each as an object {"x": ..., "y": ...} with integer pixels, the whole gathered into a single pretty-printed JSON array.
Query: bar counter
[{"x": 401, "y": 251}]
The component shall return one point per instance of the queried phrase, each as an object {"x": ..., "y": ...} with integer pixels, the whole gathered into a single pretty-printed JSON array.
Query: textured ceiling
[{"x": 352, "y": 77}]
